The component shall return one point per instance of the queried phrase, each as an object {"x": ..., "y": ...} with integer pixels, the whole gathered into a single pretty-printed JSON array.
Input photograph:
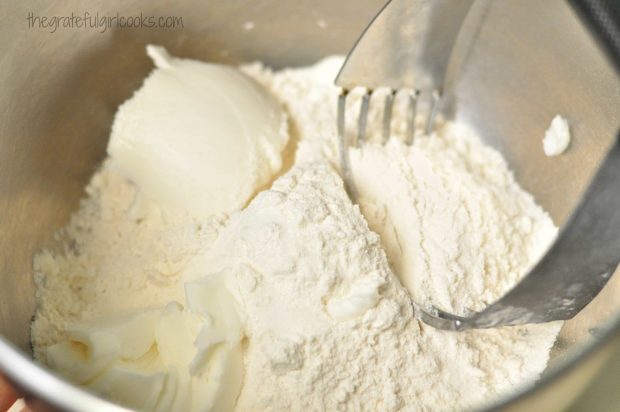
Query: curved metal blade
[
  {"x": 573, "y": 271},
  {"x": 407, "y": 45}
]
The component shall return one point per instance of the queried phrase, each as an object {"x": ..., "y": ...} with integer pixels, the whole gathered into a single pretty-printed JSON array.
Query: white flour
[
  {"x": 328, "y": 324},
  {"x": 122, "y": 255},
  {"x": 457, "y": 229}
]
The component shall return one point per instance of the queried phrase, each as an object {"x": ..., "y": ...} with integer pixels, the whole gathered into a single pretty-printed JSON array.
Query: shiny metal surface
[
  {"x": 407, "y": 45},
  {"x": 59, "y": 93}
]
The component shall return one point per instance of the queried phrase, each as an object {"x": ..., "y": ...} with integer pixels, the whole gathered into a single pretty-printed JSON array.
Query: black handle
[{"x": 603, "y": 19}]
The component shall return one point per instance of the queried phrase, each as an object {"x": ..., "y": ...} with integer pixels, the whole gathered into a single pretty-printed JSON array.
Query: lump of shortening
[
  {"x": 557, "y": 137},
  {"x": 198, "y": 136}
]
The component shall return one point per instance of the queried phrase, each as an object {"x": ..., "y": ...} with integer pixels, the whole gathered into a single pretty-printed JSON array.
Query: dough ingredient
[
  {"x": 313, "y": 295},
  {"x": 198, "y": 136},
  {"x": 557, "y": 137}
]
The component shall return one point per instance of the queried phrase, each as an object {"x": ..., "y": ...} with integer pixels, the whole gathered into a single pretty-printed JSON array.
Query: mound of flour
[
  {"x": 120, "y": 255},
  {"x": 323, "y": 288}
]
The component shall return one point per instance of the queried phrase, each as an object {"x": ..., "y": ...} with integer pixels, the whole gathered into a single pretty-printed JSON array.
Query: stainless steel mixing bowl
[{"x": 528, "y": 61}]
